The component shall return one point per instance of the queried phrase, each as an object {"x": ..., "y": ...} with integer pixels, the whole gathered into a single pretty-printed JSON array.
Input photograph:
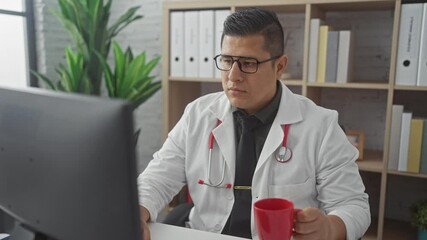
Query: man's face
[{"x": 250, "y": 91}]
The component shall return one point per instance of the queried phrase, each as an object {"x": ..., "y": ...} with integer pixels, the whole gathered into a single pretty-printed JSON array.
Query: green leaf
[
  {"x": 109, "y": 77},
  {"x": 120, "y": 65},
  {"x": 65, "y": 80},
  {"x": 134, "y": 72},
  {"x": 147, "y": 94},
  {"x": 123, "y": 21},
  {"x": 49, "y": 83},
  {"x": 74, "y": 33},
  {"x": 150, "y": 66}
]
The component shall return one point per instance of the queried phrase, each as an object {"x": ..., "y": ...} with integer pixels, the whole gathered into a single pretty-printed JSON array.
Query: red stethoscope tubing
[
  {"x": 219, "y": 184},
  {"x": 209, "y": 182},
  {"x": 285, "y": 135}
]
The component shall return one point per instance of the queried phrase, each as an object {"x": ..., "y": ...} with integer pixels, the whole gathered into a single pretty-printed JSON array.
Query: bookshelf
[{"x": 372, "y": 89}]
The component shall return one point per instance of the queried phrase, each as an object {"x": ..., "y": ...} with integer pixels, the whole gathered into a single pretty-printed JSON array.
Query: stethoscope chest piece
[{"x": 283, "y": 154}]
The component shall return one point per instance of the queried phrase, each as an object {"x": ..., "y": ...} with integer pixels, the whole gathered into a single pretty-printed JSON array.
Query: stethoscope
[{"x": 282, "y": 155}]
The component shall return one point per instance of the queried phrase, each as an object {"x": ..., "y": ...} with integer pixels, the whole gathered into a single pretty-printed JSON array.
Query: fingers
[
  {"x": 308, "y": 215},
  {"x": 309, "y": 224}
]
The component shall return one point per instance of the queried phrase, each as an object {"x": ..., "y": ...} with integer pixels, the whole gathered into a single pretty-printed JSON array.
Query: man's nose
[{"x": 235, "y": 74}]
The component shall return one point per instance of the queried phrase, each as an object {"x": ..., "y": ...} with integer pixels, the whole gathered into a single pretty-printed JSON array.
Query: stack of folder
[{"x": 194, "y": 41}]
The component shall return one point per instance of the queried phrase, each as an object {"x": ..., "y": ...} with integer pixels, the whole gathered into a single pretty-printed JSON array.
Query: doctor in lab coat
[{"x": 321, "y": 178}]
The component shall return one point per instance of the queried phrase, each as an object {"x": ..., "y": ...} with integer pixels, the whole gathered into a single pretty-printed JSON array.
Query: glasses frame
[{"x": 237, "y": 58}]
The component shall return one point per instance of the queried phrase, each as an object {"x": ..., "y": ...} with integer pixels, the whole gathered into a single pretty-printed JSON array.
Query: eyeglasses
[{"x": 246, "y": 64}]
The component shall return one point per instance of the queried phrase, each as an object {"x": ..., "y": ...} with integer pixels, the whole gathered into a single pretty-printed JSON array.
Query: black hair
[{"x": 254, "y": 21}]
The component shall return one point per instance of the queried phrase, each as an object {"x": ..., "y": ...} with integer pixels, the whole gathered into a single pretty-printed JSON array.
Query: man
[{"x": 228, "y": 166}]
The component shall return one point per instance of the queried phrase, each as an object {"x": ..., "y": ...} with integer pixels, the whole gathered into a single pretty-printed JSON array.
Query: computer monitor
[{"x": 67, "y": 166}]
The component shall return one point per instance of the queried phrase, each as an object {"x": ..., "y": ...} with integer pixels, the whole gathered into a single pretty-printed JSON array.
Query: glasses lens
[
  {"x": 224, "y": 62},
  {"x": 248, "y": 65}
]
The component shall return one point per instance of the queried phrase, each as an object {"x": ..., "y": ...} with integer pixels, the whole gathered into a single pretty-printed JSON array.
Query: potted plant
[
  {"x": 87, "y": 23},
  {"x": 419, "y": 218}
]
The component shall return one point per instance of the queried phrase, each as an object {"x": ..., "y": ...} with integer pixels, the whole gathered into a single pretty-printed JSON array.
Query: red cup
[{"x": 274, "y": 218}]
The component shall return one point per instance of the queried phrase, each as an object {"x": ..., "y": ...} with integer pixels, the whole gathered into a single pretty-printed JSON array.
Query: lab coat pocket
[{"x": 301, "y": 194}]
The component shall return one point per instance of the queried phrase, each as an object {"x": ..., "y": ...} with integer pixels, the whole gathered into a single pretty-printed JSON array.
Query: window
[{"x": 17, "y": 45}]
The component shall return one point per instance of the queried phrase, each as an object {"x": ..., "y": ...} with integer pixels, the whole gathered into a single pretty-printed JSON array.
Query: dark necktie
[
  {"x": 239, "y": 222},
  {"x": 246, "y": 150}
]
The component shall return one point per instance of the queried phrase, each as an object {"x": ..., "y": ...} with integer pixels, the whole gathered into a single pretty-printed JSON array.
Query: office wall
[{"x": 144, "y": 34}]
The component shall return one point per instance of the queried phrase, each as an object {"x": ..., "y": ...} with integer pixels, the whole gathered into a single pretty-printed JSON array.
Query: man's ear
[{"x": 281, "y": 62}]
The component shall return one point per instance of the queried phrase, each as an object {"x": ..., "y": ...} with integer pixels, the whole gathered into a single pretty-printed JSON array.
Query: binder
[
  {"x": 409, "y": 44},
  {"x": 396, "y": 122},
  {"x": 422, "y": 61},
  {"x": 313, "y": 49},
  {"x": 404, "y": 141},
  {"x": 176, "y": 59},
  {"x": 345, "y": 57},
  {"x": 220, "y": 16},
  {"x": 206, "y": 44},
  {"x": 415, "y": 143},
  {"x": 191, "y": 44},
  {"x": 332, "y": 57}
]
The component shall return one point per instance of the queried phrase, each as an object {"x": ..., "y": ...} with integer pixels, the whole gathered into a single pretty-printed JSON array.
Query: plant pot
[{"x": 422, "y": 234}]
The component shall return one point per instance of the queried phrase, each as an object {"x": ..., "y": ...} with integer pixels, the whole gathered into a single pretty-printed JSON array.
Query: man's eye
[
  {"x": 226, "y": 60},
  {"x": 249, "y": 64}
]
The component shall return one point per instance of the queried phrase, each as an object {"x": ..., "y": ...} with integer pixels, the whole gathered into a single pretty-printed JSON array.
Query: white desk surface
[{"x": 161, "y": 231}]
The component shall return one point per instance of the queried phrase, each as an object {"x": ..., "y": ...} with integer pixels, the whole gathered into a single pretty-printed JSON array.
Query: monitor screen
[{"x": 67, "y": 165}]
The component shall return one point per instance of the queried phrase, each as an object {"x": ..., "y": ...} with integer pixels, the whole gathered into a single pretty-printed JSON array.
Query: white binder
[
  {"x": 176, "y": 59},
  {"x": 422, "y": 61},
  {"x": 206, "y": 44},
  {"x": 191, "y": 44},
  {"x": 409, "y": 44},
  {"x": 220, "y": 16},
  {"x": 313, "y": 49}
]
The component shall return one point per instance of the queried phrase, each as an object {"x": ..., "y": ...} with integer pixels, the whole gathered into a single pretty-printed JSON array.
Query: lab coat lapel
[
  {"x": 289, "y": 113},
  {"x": 224, "y": 133}
]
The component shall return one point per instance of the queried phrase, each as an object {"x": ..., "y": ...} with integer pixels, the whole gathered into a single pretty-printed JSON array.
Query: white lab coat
[{"x": 322, "y": 172}]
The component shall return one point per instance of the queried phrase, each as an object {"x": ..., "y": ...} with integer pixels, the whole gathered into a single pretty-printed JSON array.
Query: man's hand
[
  {"x": 311, "y": 223},
  {"x": 144, "y": 216}
]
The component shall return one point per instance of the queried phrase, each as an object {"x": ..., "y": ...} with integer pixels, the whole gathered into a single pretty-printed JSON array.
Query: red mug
[{"x": 274, "y": 218}]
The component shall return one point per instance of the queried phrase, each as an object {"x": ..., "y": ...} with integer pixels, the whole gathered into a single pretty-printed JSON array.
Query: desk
[{"x": 161, "y": 231}]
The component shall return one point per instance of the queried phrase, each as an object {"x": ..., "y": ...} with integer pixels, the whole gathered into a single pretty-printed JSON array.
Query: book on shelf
[
  {"x": 313, "y": 50},
  {"x": 394, "y": 146},
  {"x": 345, "y": 56},
  {"x": 332, "y": 57},
  {"x": 409, "y": 43},
  {"x": 323, "y": 46},
  {"x": 415, "y": 141},
  {"x": 404, "y": 141},
  {"x": 423, "y": 167}
]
